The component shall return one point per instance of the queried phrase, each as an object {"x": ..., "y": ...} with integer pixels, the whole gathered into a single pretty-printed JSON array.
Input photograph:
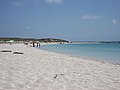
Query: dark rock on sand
[
  {"x": 18, "y": 53},
  {"x": 6, "y": 51}
]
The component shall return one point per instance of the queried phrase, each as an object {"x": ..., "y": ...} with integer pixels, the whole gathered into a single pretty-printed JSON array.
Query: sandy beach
[{"x": 35, "y": 69}]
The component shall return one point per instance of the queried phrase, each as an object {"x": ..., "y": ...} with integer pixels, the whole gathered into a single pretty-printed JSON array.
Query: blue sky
[{"x": 66, "y": 19}]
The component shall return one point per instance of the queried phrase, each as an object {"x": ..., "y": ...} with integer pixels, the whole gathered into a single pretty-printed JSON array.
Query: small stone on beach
[
  {"x": 18, "y": 53},
  {"x": 6, "y": 51}
]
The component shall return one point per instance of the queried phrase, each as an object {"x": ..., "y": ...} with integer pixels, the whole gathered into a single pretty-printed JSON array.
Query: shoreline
[
  {"x": 39, "y": 69},
  {"x": 80, "y": 57}
]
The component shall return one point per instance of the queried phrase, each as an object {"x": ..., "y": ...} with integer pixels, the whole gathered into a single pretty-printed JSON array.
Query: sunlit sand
[{"x": 27, "y": 68}]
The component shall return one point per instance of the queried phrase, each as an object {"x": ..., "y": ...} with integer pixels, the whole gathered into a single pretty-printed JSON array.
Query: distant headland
[{"x": 14, "y": 39}]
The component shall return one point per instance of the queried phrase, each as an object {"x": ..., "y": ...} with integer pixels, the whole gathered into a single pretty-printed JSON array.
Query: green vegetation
[{"x": 7, "y": 39}]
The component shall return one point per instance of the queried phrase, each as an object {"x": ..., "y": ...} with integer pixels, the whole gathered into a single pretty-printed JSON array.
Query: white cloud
[
  {"x": 24, "y": 2},
  {"x": 27, "y": 27},
  {"x": 90, "y": 17},
  {"x": 34, "y": 1},
  {"x": 114, "y": 21},
  {"x": 54, "y": 1},
  {"x": 16, "y": 3}
]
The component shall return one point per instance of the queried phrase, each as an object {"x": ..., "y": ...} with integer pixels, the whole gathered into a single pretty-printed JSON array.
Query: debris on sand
[
  {"x": 6, "y": 51},
  {"x": 18, "y": 53}
]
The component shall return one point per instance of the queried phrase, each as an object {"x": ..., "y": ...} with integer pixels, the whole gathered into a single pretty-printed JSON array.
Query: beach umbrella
[{"x": 11, "y": 41}]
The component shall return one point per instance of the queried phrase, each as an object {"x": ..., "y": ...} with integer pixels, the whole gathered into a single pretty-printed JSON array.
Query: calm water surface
[{"x": 109, "y": 52}]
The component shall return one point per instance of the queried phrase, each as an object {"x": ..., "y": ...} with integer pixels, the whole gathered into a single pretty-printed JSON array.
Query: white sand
[{"x": 42, "y": 70}]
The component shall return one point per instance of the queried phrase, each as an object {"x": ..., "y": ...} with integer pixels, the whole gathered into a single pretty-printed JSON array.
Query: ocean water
[{"x": 109, "y": 52}]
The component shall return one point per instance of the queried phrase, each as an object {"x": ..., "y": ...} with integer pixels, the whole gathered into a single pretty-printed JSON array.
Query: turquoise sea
[{"x": 109, "y": 52}]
